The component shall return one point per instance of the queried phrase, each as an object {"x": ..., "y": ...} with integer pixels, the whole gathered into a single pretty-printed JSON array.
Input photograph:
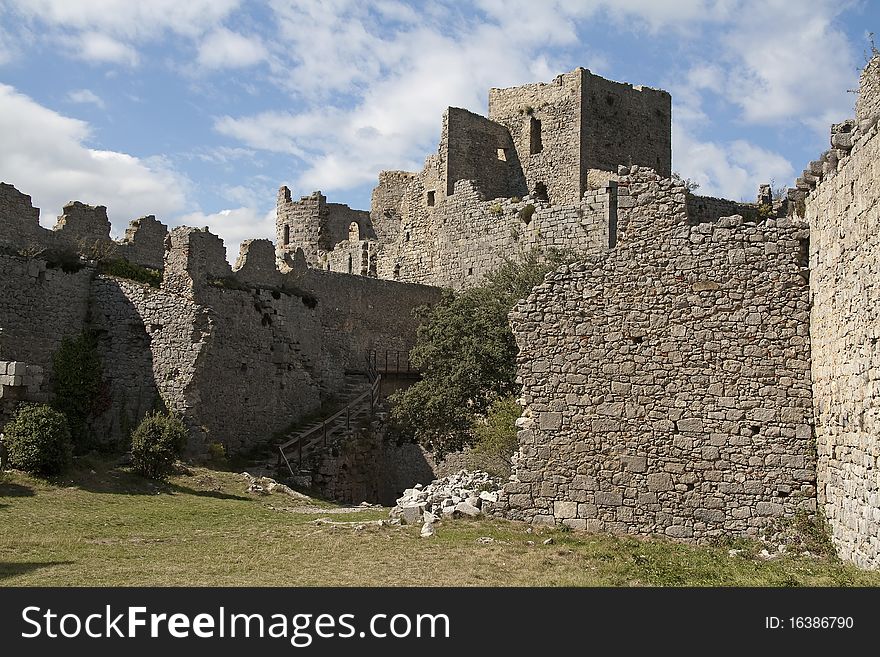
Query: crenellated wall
[{"x": 240, "y": 352}]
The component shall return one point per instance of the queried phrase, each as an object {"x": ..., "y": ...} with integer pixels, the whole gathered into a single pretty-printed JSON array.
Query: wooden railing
[
  {"x": 391, "y": 362},
  {"x": 330, "y": 426}
]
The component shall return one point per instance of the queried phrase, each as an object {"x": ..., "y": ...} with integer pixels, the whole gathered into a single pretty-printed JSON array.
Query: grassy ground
[{"x": 104, "y": 526}]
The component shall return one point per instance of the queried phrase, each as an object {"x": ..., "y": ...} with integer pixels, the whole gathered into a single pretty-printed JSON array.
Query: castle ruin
[{"x": 707, "y": 368}]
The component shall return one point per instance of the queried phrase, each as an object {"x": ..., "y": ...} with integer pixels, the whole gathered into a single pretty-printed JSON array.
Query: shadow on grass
[
  {"x": 11, "y": 489},
  {"x": 116, "y": 480},
  {"x": 22, "y": 568},
  {"x": 216, "y": 494}
]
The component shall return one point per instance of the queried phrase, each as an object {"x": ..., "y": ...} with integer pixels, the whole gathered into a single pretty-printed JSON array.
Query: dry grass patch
[{"x": 105, "y": 526}]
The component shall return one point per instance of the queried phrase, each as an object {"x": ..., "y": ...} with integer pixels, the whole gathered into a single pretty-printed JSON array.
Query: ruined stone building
[
  {"x": 708, "y": 368},
  {"x": 495, "y": 187}
]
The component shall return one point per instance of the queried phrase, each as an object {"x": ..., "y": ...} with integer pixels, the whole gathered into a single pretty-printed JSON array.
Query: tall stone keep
[{"x": 581, "y": 122}]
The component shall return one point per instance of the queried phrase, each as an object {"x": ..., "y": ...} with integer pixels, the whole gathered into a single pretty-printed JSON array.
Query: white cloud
[
  {"x": 126, "y": 19},
  {"x": 792, "y": 68},
  {"x": 776, "y": 62},
  {"x": 401, "y": 77},
  {"x": 234, "y": 226},
  {"x": 85, "y": 96},
  {"x": 45, "y": 154},
  {"x": 225, "y": 49},
  {"x": 100, "y": 48},
  {"x": 110, "y": 31},
  {"x": 730, "y": 170}
]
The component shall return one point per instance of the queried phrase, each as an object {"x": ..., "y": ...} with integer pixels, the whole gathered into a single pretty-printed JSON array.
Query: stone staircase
[{"x": 360, "y": 393}]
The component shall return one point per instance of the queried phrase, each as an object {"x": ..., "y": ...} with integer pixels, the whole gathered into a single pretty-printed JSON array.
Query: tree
[{"x": 467, "y": 355}]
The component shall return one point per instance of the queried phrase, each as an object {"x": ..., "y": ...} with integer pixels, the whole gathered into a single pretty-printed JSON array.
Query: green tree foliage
[
  {"x": 467, "y": 355},
  {"x": 495, "y": 437},
  {"x": 38, "y": 440},
  {"x": 156, "y": 443},
  {"x": 76, "y": 380}
]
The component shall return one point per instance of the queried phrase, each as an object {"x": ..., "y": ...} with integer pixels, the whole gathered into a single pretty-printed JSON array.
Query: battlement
[{"x": 83, "y": 229}]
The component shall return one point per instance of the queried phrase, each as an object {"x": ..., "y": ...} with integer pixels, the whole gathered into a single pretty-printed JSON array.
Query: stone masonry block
[
  {"x": 564, "y": 509},
  {"x": 607, "y": 498},
  {"x": 550, "y": 421},
  {"x": 659, "y": 481}
]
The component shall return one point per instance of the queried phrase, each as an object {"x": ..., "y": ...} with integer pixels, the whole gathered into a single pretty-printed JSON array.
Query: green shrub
[
  {"x": 76, "y": 370},
  {"x": 217, "y": 453},
  {"x": 156, "y": 443},
  {"x": 130, "y": 271},
  {"x": 496, "y": 210},
  {"x": 38, "y": 440},
  {"x": 526, "y": 213},
  {"x": 496, "y": 438}
]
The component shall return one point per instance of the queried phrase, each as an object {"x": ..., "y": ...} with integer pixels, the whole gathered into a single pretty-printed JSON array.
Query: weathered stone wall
[
  {"x": 710, "y": 208},
  {"x": 40, "y": 305},
  {"x": 845, "y": 332},
  {"x": 19, "y": 219},
  {"x": 385, "y": 203},
  {"x": 337, "y": 225},
  {"x": 868, "y": 101},
  {"x": 150, "y": 343},
  {"x": 482, "y": 151},
  {"x": 666, "y": 384},
  {"x": 544, "y": 121},
  {"x": 84, "y": 228},
  {"x": 625, "y": 125},
  {"x": 469, "y": 237},
  {"x": 273, "y": 344},
  {"x": 144, "y": 242}
]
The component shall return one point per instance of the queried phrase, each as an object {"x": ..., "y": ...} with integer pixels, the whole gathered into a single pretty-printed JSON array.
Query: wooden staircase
[{"x": 363, "y": 391}]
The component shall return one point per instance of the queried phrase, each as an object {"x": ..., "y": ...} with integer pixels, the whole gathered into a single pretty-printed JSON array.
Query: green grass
[{"x": 105, "y": 526}]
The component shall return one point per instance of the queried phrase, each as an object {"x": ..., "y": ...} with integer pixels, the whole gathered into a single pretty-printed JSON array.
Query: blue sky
[{"x": 197, "y": 110}]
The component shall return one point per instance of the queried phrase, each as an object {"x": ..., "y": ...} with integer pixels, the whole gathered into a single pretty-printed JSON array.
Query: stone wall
[
  {"x": 544, "y": 121},
  {"x": 40, "y": 305},
  {"x": 144, "y": 242},
  {"x": 269, "y": 344},
  {"x": 845, "y": 332},
  {"x": 19, "y": 219},
  {"x": 868, "y": 101},
  {"x": 710, "y": 208},
  {"x": 666, "y": 384},
  {"x": 625, "y": 125},
  {"x": 469, "y": 237},
  {"x": 150, "y": 343},
  {"x": 298, "y": 223},
  {"x": 482, "y": 151},
  {"x": 385, "y": 203}
]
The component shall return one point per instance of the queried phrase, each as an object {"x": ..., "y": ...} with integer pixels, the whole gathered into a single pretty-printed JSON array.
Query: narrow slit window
[
  {"x": 350, "y": 268},
  {"x": 431, "y": 198},
  {"x": 286, "y": 234},
  {"x": 535, "y": 143}
]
